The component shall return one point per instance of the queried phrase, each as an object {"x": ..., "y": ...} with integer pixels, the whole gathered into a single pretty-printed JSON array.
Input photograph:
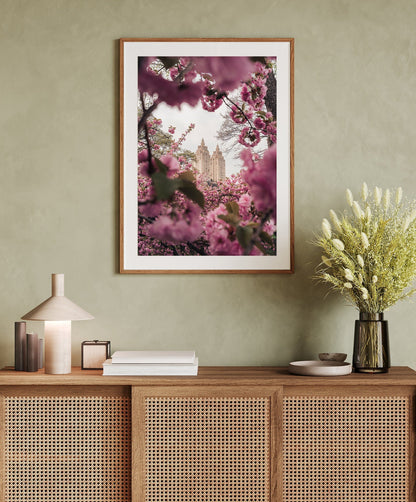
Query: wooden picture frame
[{"x": 201, "y": 213}]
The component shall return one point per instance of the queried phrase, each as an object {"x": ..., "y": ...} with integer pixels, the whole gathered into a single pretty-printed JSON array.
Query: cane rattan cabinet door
[
  {"x": 347, "y": 447},
  {"x": 203, "y": 445},
  {"x": 228, "y": 435},
  {"x": 63, "y": 445}
]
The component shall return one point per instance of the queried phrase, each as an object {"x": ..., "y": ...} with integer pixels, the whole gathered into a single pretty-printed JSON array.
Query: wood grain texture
[
  {"x": 291, "y": 42},
  {"x": 412, "y": 447},
  {"x": 228, "y": 384},
  {"x": 292, "y": 155},
  {"x": 276, "y": 456},
  {"x": 121, "y": 153},
  {"x": 212, "y": 375},
  {"x": 138, "y": 447},
  {"x": 346, "y": 390},
  {"x": 65, "y": 390},
  {"x": 69, "y": 448},
  {"x": 347, "y": 448},
  {"x": 202, "y": 443},
  {"x": 2, "y": 450}
]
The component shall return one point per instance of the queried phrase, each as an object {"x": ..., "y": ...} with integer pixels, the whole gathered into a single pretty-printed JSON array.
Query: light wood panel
[
  {"x": 276, "y": 457},
  {"x": 291, "y": 134},
  {"x": 377, "y": 412},
  {"x": 69, "y": 448},
  {"x": 213, "y": 375},
  {"x": 204, "y": 444},
  {"x": 2, "y": 449},
  {"x": 412, "y": 447},
  {"x": 65, "y": 390},
  {"x": 354, "y": 446}
]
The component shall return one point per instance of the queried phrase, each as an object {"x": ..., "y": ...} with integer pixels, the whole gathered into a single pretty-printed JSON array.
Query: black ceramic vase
[{"x": 371, "y": 344}]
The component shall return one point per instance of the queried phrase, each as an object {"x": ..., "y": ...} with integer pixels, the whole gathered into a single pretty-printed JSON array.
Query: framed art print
[{"x": 206, "y": 155}]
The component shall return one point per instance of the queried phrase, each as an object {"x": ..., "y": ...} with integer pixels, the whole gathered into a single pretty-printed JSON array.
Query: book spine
[
  {"x": 145, "y": 373},
  {"x": 153, "y": 357},
  {"x": 41, "y": 351},
  {"x": 20, "y": 359},
  {"x": 150, "y": 370},
  {"x": 32, "y": 351}
]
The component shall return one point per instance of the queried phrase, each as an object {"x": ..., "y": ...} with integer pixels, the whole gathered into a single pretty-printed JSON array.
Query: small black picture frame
[{"x": 94, "y": 353}]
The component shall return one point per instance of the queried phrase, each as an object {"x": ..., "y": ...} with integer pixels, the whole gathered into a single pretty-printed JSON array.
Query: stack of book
[{"x": 149, "y": 362}]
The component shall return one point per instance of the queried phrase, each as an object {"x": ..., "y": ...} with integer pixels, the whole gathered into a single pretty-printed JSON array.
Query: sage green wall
[{"x": 355, "y": 117}]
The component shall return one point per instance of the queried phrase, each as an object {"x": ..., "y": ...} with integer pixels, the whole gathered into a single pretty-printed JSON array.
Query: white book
[
  {"x": 139, "y": 369},
  {"x": 153, "y": 357}
]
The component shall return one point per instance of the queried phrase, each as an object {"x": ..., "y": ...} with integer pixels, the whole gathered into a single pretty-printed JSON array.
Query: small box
[{"x": 94, "y": 353}]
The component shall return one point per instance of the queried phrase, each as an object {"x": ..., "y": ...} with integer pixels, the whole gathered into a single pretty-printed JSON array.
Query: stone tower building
[
  {"x": 218, "y": 165},
  {"x": 203, "y": 160},
  {"x": 213, "y": 167}
]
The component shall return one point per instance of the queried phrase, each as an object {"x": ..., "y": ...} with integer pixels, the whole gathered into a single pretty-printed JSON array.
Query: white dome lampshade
[{"x": 57, "y": 312}]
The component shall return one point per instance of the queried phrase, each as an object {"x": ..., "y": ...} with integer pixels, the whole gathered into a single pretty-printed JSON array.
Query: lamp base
[{"x": 57, "y": 347}]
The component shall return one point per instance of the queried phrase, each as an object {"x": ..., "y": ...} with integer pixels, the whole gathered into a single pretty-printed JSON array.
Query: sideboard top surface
[{"x": 211, "y": 375}]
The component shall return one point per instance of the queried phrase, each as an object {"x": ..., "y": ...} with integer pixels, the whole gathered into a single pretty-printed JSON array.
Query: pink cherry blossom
[
  {"x": 171, "y": 92},
  {"x": 142, "y": 155},
  {"x": 221, "y": 245},
  {"x": 173, "y": 72},
  {"x": 190, "y": 76},
  {"x": 271, "y": 132},
  {"x": 259, "y": 123},
  {"x": 261, "y": 178},
  {"x": 249, "y": 137},
  {"x": 241, "y": 115},
  {"x": 261, "y": 69},
  {"x": 228, "y": 72},
  {"x": 172, "y": 163},
  {"x": 178, "y": 226},
  {"x": 211, "y": 102},
  {"x": 144, "y": 169},
  {"x": 186, "y": 227},
  {"x": 244, "y": 203},
  {"x": 218, "y": 233},
  {"x": 151, "y": 210}
]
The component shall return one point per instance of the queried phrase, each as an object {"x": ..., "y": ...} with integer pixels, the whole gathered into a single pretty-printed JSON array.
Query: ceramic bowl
[
  {"x": 332, "y": 356},
  {"x": 320, "y": 368}
]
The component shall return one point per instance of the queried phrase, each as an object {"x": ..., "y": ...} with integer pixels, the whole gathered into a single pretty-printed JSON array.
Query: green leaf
[
  {"x": 231, "y": 219},
  {"x": 162, "y": 167},
  {"x": 164, "y": 186},
  {"x": 168, "y": 62},
  {"x": 260, "y": 59},
  {"x": 187, "y": 175},
  {"x": 260, "y": 246},
  {"x": 244, "y": 235},
  {"x": 190, "y": 191},
  {"x": 264, "y": 236},
  {"x": 233, "y": 208}
]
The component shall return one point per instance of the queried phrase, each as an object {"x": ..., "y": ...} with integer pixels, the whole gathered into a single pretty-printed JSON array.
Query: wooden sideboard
[{"x": 231, "y": 434}]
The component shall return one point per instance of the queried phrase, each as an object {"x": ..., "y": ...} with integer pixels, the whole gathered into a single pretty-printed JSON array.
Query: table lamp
[{"x": 57, "y": 312}]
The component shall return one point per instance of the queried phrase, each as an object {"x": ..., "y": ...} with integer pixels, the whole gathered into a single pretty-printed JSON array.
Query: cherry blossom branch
[
  {"x": 256, "y": 234},
  {"x": 146, "y": 133},
  {"x": 146, "y": 113},
  {"x": 238, "y": 108}
]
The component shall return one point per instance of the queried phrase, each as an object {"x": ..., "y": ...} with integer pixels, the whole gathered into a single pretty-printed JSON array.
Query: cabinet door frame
[
  {"x": 138, "y": 407},
  {"x": 54, "y": 390},
  {"x": 364, "y": 391}
]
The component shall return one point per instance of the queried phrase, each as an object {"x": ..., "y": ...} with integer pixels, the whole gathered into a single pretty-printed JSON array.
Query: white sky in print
[{"x": 207, "y": 125}]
